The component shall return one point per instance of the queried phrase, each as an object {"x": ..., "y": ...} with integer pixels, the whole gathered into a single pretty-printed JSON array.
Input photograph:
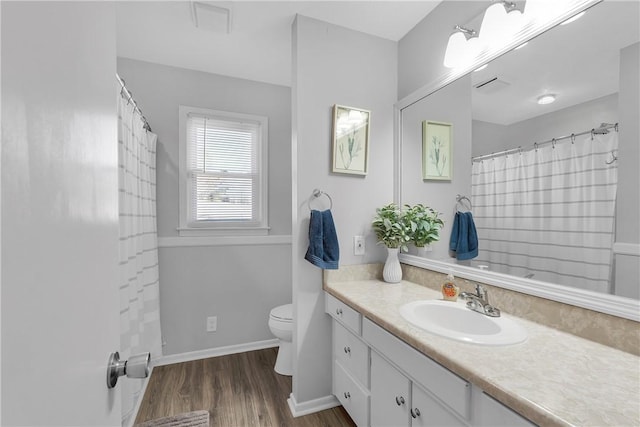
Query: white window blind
[{"x": 224, "y": 170}]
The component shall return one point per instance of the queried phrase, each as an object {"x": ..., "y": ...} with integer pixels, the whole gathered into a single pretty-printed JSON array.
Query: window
[{"x": 223, "y": 172}]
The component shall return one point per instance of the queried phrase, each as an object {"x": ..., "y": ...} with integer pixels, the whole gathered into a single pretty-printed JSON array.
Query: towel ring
[
  {"x": 317, "y": 193},
  {"x": 459, "y": 201}
]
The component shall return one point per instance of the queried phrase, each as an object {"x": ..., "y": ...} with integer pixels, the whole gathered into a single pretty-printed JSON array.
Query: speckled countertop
[{"x": 554, "y": 378}]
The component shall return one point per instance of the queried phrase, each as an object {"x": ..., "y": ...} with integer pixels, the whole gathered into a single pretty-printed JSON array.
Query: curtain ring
[
  {"x": 553, "y": 143},
  {"x": 573, "y": 138},
  {"x": 535, "y": 146},
  {"x": 592, "y": 133},
  {"x": 616, "y": 127}
]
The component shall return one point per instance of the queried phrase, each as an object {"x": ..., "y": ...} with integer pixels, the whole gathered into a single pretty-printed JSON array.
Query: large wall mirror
[{"x": 495, "y": 109}]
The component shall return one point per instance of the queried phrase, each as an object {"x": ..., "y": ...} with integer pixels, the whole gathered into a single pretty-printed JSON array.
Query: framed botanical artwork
[
  {"x": 350, "y": 145},
  {"x": 436, "y": 151}
]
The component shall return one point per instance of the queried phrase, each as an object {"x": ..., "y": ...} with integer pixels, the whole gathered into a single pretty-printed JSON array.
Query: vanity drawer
[
  {"x": 343, "y": 313},
  {"x": 452, "y": 390},
  {"x": 351, "y": 395},
  {"x": 351, "y": 352}
]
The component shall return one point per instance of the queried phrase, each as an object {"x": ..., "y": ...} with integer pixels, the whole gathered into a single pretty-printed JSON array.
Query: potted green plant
[
  {"x": 392, "y": 230},
  {"x": 424, "y": 225}
]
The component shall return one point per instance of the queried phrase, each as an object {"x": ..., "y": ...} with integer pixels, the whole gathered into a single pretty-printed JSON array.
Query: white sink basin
[{"x": 454, "y": 320}]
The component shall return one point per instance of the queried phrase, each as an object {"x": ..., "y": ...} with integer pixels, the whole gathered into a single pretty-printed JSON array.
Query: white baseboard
[
  {"x": 311, "y": 406},
  {"x": 213, "y": 352}
]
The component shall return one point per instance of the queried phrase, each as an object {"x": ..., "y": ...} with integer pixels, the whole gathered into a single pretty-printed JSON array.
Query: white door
[{"x": 59, "y": 213}]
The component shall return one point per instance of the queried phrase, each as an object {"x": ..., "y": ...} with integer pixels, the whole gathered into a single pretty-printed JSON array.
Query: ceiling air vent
[
  {"x": 210, "y": 16},
  {"x": 491, "y": 85}
]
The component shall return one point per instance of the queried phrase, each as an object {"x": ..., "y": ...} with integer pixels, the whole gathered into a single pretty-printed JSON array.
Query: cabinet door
[
  {"x": 351, "y": 395},
  {"x": 389, "y": 394},
  {"x": 426, "y": 411},
  {"x": 491, "y": 413},
  {"x": 351, "y": 352}
]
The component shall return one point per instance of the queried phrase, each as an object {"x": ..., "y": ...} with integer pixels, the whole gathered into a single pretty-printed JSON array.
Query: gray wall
[
  {"x": 451, "y": 104},
  {"x": 489, "y": 138},
  {"x": 628, "y": 198},
  {"x": 238, "y": 283},
  {"x": 334, "y": 65}
]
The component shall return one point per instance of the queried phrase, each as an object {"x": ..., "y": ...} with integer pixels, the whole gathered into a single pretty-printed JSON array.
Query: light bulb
[
  {"x": 498, "y": 25},
  {"x": 546, "y": 99},
  {"x": 453, "y": 56},
  {"x": 493, "y": 23}
]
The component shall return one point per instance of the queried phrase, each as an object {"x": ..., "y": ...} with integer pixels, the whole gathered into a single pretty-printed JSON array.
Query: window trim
[{"x": 226, "y": 228}]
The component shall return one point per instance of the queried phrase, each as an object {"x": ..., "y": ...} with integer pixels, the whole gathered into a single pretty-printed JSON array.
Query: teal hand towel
[
  {"x": 324, "y": 251},
  {"x": 464, "y": 237}
]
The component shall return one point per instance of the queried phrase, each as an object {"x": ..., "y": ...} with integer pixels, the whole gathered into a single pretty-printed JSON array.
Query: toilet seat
[{"x": 282, "y": 313}]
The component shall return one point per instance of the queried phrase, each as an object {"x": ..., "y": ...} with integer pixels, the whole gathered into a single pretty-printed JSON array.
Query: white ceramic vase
[{"x": 392, "y": 272}]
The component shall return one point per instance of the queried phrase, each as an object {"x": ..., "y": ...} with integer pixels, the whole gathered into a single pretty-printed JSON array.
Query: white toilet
[{"x": 281, "y": 325}]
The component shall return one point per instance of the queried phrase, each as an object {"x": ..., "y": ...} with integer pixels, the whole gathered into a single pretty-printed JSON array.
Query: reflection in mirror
[{"x": 562, "y": 236}]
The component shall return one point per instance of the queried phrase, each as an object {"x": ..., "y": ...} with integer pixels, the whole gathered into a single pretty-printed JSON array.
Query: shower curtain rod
[
  {"x": 603, "y": 129},
  {"x": 127, "y": 93}
]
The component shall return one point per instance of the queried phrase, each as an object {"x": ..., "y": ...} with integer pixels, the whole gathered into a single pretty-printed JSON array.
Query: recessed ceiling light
[
  {"x": 546, "y": 99},
  {"x": 573, "y": 18},
  {"x": 481, "y": 68}
]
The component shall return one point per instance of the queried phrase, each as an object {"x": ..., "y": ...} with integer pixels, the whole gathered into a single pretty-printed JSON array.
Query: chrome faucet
[{"x": 480, "y": 302}]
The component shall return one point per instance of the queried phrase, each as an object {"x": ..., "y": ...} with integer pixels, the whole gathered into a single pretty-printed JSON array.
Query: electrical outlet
[
  {"x": 358, "y": 245},
  {"x": 212, "y": 323}
]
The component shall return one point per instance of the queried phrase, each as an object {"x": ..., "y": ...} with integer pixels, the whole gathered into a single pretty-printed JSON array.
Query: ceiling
[
  {"x": 258, "y": 46},
  {"x": 578, "y": 62}
]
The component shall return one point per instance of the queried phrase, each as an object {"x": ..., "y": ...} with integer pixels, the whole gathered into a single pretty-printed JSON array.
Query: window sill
[
  {"x": 176, "y": 242},
  {"x": 222, "y": 232}
]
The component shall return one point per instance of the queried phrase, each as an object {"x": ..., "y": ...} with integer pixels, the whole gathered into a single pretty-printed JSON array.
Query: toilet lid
[{"x": 283, "y": 312}]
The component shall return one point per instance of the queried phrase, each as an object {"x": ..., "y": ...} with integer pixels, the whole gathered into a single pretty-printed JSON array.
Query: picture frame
[
  {"x": 350, "y": 140},
  {"x": 437, "y": 161}
]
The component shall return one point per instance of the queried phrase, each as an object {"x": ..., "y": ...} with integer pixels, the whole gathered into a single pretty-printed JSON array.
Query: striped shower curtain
[
  {"x": 548, "y": 213},
  {"x": 139, "y": 286}
]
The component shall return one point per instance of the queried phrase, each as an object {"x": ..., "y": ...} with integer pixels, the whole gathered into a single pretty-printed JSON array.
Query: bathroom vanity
[{"x": 389, "y": 372}]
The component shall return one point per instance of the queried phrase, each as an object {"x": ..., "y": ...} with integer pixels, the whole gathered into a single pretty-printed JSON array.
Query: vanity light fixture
[
  {"x": 546, "y": 99},
  {"x": 463, "y": 46},
  {"x": 501, "y": 21}
]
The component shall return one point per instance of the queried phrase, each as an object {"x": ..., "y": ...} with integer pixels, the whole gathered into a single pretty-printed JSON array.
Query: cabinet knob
[
  {"x": 400, "y": 400},
  {"x": 415, "y": 413},
  {"x": 339, "y": 311},
  {"x": 347, "y": 350},
  {"x": 347, "y": 395}
]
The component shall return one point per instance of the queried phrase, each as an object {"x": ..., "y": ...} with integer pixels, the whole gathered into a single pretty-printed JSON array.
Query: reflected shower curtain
[
  {"x": 549, "y": 213},
  {"x": 139, "y": 285}
]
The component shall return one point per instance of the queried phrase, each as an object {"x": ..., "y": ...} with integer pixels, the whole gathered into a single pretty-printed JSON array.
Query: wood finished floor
[{"x": 238, "y": 390}]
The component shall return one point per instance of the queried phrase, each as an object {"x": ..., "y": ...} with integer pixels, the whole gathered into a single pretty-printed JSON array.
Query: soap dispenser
[{"x": 449, "y": 289}]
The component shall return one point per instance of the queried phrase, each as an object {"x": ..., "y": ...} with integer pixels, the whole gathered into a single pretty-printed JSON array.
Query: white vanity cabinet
[
  {"x": 382, "y": 381},
  {"x": 350, "y": 360},
  {"x": 399, "y": 395},
  {"x": 398, "y": 401}
]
